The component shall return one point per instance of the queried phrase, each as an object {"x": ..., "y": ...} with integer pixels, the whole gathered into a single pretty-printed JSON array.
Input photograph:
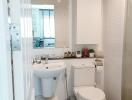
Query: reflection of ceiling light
[{"x": 58, "y": 1}]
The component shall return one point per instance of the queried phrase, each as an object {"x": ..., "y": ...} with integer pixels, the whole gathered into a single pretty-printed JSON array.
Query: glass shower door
[{"x": 127, "y": 62}]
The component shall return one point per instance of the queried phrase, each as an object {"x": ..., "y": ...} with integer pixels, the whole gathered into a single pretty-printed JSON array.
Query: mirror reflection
[{"x": 50, "y": 23}]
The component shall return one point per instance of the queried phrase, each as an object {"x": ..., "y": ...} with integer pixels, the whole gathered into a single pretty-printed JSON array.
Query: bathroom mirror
[{"x": 50, "y": 23}]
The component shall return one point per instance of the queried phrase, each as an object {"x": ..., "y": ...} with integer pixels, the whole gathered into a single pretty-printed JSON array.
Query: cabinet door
[{"x": 89, "y": 21}]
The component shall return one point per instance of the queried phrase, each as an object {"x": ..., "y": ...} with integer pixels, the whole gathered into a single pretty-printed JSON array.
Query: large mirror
[{"x": 50, "y": 23}]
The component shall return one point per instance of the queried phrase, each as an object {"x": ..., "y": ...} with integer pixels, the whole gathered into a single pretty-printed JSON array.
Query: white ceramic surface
[
  {"x": 48, "y": 70},
  {"x": 48, "y": 75}
]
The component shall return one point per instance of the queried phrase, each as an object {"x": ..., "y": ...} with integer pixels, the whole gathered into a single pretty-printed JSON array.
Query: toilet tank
[{"x": 84, "y": 74}]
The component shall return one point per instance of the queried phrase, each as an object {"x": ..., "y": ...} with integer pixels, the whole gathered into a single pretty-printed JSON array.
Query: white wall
[
  {"x": 5, "y": 61},
  {"x": 114, "y": 18}
]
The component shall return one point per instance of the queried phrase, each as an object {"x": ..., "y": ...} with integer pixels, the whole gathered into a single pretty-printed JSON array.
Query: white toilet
[{"x": 84, "y": 82}]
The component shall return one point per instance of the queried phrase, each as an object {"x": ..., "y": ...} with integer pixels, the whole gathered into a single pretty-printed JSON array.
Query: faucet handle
[
  {"x": 33, "y": 61},
  {"x": 44, "y": 57},
  {"x": 36, "y": 60}
]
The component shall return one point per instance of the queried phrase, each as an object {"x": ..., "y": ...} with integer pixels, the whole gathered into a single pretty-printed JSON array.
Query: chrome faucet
[
  {"x": 37, "y": 60},
  {"x": 40, "y": 59},
  {"x": 46, "y": 59}
]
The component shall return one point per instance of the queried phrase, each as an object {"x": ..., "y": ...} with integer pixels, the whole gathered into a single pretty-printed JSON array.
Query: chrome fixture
[{"x": 46, "y": 59}]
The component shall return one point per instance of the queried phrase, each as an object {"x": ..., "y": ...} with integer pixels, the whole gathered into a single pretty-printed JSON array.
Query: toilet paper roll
[{"x": 100, "y": 68}]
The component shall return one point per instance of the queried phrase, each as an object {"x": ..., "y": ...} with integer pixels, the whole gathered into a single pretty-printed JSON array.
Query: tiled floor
[{"x": 41, "y": 98}]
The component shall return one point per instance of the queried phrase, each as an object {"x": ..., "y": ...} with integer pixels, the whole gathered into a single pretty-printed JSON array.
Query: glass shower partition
[{"x": 127, "y": 58}]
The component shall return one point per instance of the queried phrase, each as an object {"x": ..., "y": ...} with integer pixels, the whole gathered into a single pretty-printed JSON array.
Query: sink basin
[
  {"x": 46, "y": 77},
  {"x": 48, "y": 70}
]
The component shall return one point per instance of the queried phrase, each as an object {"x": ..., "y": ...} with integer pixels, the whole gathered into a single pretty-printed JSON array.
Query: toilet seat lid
[{"x": 91, "y": 93}]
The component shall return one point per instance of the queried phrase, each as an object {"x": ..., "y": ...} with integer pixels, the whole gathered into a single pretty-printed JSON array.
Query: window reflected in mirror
[{"x": 43, "y": 25}]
